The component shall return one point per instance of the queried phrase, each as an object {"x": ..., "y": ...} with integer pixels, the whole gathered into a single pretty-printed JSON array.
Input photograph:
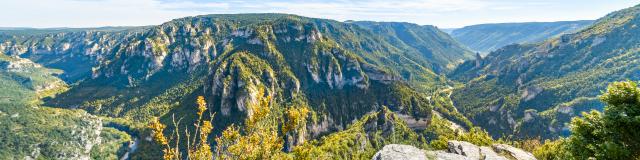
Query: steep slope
[
  {"x": 428, "y": 41},
  {"x": 534, "y": 89},
  {"x": 341, "y": 71},
  {"x": 231, "y": 57},
  {"x": 362, "y": 139},
  {"x": 485, "y": 38},
  {"x": 29, "y": 130}
]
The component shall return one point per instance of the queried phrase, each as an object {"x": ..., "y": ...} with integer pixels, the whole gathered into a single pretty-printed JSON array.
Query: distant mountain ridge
[
  {"x": 485, "y": 38},
  {"x": 431, "y": 42}
]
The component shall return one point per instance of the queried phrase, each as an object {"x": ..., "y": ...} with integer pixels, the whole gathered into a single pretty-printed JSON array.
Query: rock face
[
  {"x": 400, "y": 152},
  {"x": 457, "y": 150}
]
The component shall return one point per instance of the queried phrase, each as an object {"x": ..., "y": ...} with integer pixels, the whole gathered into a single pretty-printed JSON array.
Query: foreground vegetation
[
  {"x": 265, "y": 133},
  {"x": 612, "y": 134}
]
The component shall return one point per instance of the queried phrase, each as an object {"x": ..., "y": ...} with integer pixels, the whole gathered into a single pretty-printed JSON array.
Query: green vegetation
[
  {"x": 533, "y": 90},
  {"x": 261, "y": 138},
  {"x": 362, "y": 139},
  {"x": 143, "y": 72},
  {"x": 611, "y": 134},
  {"x": 323, "y": 67},
  {"x": 426, "y": 41},
  {"x": 29, "y": 130},
  {"x": 290, "y": 87},
  {"x": 442, "y": 104},
  {"x": 602, "y": 135},
  {"x": 440, "y": 131}
]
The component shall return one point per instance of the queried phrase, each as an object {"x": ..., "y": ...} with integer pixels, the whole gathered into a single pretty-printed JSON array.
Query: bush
[{"x": 609, "y": 135}]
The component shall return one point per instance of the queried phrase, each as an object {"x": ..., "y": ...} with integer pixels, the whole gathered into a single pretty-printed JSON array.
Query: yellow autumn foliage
[
  {"x": 197, "y": 148},
  {"x": 259, "y": 111},
  {"x": 257, "y": 139},
  {"x": 296, "y": 118}
]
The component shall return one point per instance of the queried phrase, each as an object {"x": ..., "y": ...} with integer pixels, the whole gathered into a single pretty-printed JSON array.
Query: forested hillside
[
  {"x": 30, "y": 130},
  {"x": 533, "y": 90},
  {"x": 336, "y": 72}
]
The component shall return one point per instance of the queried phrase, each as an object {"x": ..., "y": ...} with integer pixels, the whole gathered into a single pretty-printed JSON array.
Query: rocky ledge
[{"x": 457, "y": 150}]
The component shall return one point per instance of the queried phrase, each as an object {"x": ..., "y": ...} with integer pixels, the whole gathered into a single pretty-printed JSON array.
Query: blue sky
[{"x": 442, "y": 13}]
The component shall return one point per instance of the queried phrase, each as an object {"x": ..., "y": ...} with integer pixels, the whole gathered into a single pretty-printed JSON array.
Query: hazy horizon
[
  {"x": 22, "y": 27},
  {"x": 449, "y": 14}
]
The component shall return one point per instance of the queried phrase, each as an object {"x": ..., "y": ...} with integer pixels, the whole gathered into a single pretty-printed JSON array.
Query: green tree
[
  {"x": 552, "y": 150},
  {"x": 612, "y": 134}
]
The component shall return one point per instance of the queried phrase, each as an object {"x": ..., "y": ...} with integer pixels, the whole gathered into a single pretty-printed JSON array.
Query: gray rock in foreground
[
  {"x": 489, "y": 154},
  {"x": 400, "y": 152},
  {"x": 443, "y": 155},
  {"x": 457, "y": 150},
  {"x": 464, "y": 148}
]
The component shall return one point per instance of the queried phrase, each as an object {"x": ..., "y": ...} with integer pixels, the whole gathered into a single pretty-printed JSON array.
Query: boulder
[
  {"x": 514, "y": 152},
  {"x": 400, "y": 152},
  {"x": 464, "y": 148}
]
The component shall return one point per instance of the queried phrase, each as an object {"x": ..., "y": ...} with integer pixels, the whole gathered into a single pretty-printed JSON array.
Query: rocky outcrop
[
  {"x": 83, "y": 137},
  {"x": 400, "y": 152},
  {"x": 464, "y": 148},
  {"x": 18, "y": 65},
  {"x": 443, "y": 155},
  {"x": 457, "y": 150},
  {"x": 497, "y": 152},
  {"x": 86, "y": 135},
  {"x": 489, "y": 154},
  {"x": 531, "y": 93},
  {"x": 415, "y": 123}
]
